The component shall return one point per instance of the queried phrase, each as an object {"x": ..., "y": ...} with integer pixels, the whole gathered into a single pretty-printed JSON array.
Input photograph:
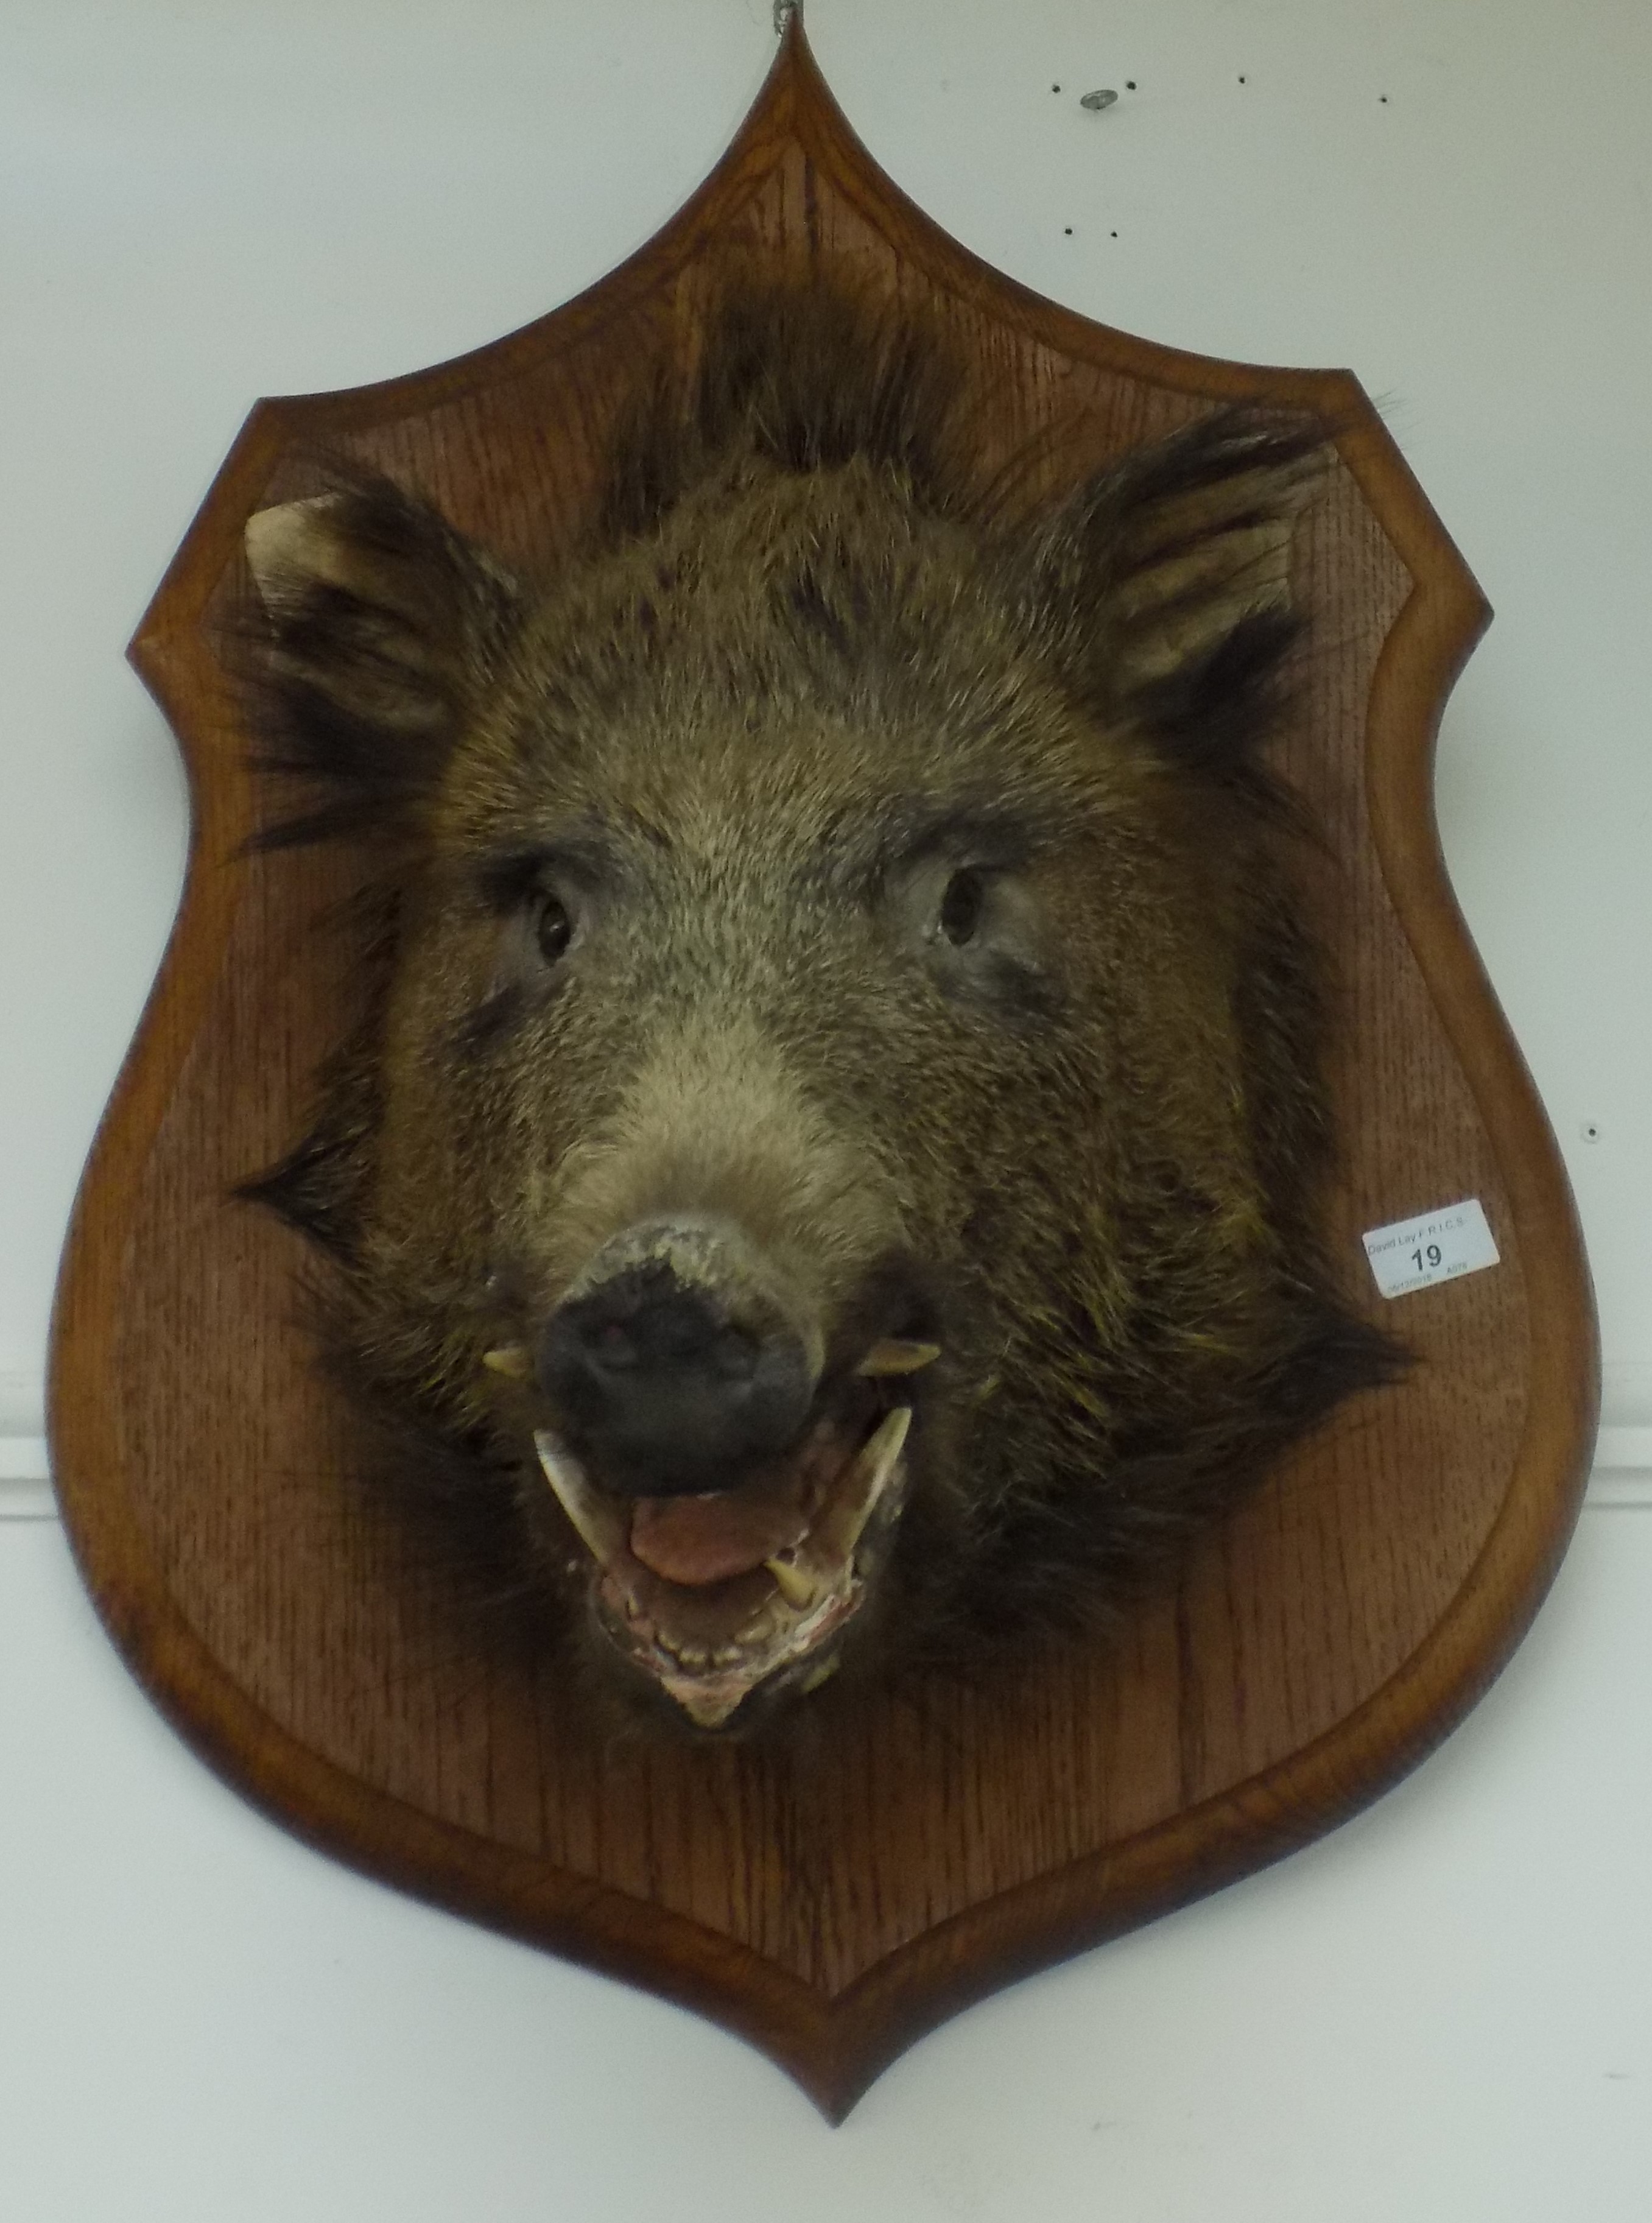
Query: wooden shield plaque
[{"x": 829, "y": 1906}]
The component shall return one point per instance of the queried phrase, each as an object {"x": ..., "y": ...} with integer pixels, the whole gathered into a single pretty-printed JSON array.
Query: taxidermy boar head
[{"x": 832, "y": 1154}]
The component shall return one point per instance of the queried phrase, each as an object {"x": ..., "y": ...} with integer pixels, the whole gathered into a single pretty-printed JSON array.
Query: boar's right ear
[
  {"x": 381, "y": 628},
  {"x": 1162, "y": 588}
]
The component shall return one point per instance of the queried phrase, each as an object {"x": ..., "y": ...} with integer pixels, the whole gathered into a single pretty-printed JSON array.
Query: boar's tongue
[{"x": 696, "y": 1540}]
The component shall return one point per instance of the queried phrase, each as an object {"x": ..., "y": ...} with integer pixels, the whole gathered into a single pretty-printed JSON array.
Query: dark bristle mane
[{"x": 806, "y": 380}]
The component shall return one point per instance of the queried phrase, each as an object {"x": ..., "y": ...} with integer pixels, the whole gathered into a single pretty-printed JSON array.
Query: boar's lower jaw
[{"x": 710, "y": 1644}]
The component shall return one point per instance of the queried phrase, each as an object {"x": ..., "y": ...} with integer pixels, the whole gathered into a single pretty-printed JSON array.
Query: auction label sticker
[{"x": 1437, "y": 1246}]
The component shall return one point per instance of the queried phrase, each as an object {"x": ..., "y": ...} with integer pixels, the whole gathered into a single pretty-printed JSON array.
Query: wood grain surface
[{"x": 832, "y": 1903}]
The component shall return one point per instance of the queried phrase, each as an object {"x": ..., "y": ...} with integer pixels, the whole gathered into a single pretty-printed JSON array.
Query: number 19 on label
[{"x": 1435, "y": 1246}]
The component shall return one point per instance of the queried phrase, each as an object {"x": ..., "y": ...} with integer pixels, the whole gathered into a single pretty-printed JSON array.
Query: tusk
[
  {"x": 512, "y": 1360},
  {"x": 601, "y": 1529},
  {"x": 878, "y": 1462},
  {"x": 898, "y": 1357}
]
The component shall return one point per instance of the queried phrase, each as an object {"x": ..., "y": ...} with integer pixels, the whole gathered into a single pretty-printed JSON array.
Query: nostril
[
  {"x": 683, "y": 1328},
  {"x": 609, "y": 1346},
  {"x": 617, "y": 1333},
  {"x": 734, "y": 1354}
]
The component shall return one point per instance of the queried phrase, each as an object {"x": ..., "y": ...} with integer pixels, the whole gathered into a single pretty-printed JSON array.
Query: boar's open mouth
[{"x": 716, "y": 1595}]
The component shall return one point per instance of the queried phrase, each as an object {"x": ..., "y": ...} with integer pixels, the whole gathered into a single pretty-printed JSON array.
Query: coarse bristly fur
[{"x": 877, "y": 869}]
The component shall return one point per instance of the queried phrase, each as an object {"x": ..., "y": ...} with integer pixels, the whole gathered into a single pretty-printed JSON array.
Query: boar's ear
[
  {"x": 1163, "y": 586},
  {"x": 381, "y": 628}
]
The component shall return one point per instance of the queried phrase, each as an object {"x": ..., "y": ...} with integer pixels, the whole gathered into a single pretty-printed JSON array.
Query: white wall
[{"x": 1446, "y": 2011}]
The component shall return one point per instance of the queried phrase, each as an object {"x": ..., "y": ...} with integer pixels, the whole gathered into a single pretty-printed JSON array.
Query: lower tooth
[{"x": 795, "y": 1586}]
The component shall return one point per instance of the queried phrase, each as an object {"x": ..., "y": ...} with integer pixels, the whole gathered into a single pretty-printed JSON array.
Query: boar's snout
[{"x": 671, "y": 1367}]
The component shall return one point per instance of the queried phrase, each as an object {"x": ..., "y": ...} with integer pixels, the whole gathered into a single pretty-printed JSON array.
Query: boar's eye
[
  {"x": 553, "y": 927},
  {"x": 980, "y": 930},
  {"x": 961, "y": 906}
]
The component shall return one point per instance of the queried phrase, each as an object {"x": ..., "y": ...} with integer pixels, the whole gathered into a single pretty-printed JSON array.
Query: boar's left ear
[
  {"x": 381, "y": 628},
  {"x": 1162, "y": 588}
]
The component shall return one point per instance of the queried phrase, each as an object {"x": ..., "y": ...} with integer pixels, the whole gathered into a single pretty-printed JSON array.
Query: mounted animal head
[{"x": 832, "y": 1157}]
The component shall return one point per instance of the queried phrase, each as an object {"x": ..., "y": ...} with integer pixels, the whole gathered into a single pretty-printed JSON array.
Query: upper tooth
[
  {"x": 897, "y": 1357},
  {"x": 512, "y": 1360}
]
